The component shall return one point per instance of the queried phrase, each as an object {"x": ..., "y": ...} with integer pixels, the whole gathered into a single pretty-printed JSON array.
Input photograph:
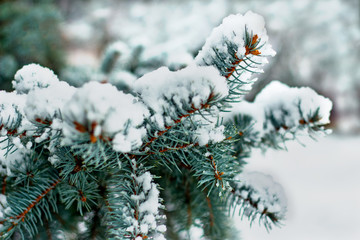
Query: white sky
[{"x": 322, "y": 184}]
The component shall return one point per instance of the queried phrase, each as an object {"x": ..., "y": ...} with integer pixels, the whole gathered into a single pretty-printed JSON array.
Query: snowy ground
[{"x": 322, "y": 184}]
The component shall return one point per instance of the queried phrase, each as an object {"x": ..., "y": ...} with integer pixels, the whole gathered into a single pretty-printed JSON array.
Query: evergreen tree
[
  {"x": 156, "y": 158},
  {"x": 29, "y": 32}
]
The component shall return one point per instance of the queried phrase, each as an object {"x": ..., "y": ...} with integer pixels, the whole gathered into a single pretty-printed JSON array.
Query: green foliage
[{"x": 172, "y": 178}]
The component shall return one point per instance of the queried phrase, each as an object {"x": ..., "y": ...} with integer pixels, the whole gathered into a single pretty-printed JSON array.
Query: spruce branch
[
  {"x": 258, "y": 197},
  {"x": 107, "y": 155},
  {"x": 194, "y": 110},
  {"x": 236, "y": 52},
  {"x": 25, "y": 210},
  {"x": 276, "y": 119},
  {"x": 137, "y": 213}
]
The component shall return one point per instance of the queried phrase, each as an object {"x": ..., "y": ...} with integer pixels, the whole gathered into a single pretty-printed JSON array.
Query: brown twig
[
  {"x": 248, "y": 50},
  {"x": 22, "y": 215},
  {"x": 178, "y": 120},
  {"x": 3, "y": 189}
]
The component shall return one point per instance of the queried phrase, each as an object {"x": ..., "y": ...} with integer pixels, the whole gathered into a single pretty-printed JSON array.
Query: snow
[
  {"x": 45, "y": 135},
  {"x": 54, "y": 159},
  {"x": 12, "y": 113},
  {"x": 233, "y": 30},
  {"x": 263, "y": 190},
  {"x": 321, "y": 184},
  {"x": 46, "y": 103},
  {"x": 187, "y": 89},
  {"x": 33, "y": 76},
  {"x": 151, "y": 205},
  {"x": 145, "y": 181},
  {"x": 11, "y": 105},
  {"x": 310, "y": 60},
  {"x": 195, "y": 232},
  {"x": 4, "y": 209},
  {"x": 120, "y": 116},
  {"x": 290, "y": 98},
  {"x": 14, "y": 160},
  {"x": 287, "y": 106},
  {"x": 209, "y": 133},
  {"x": 96, "y": 106},
  {"x": 122, "y": 79},
  {"x": 148, "y": 202}
]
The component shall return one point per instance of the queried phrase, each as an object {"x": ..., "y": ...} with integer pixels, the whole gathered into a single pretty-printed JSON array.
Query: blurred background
[{"x": 317, "y": 44}]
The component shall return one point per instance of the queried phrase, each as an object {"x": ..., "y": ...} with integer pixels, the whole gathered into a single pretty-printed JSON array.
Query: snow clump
[
  {"x": 170, "y": 95},
  {"x": 33, "y": 76},
  {"x": 44, "y": 104},
  {"x": 148, "y": 211},
  {"x": 104, "y": 113},
  {"x": 279, "y": 106},
  {"x": 256, "y": 187},
  {"x": 231, "y": 36}
]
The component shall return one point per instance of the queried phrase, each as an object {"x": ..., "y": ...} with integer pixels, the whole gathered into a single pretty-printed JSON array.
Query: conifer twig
[{"x": 178, "y": 120}]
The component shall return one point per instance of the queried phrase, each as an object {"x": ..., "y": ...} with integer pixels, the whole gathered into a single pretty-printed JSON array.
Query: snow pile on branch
[
  {"x": 12, "y": 119},
  {"x": 11, "y": 111},
  {"x": 260, "y": 197},
  {"x": 11, "y": 160},
  {"x": 298, "y": 103},
  {"x": 209, "y": 133},
  {"x": 208, "y": 130},
  {"x": 105, "y": 113},
  {"x": 4, "y": 209},
  {"x": 33, "y": 76},
  {"x": 235, "y": 36},
  {"x": 278, "y": 106},
  {"x": 38, "y": 97},
  {"x": 44, "y": 104},
  {"x": 147, "y": 215},
  {"x": 170, "y": 95}
]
